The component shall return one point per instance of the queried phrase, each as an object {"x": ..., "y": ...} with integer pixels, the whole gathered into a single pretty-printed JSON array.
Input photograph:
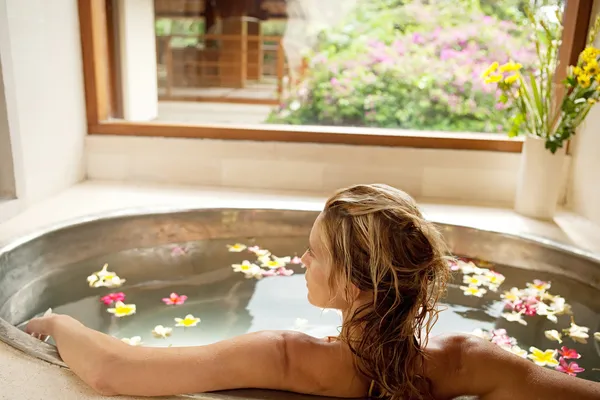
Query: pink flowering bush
[{"x": 415, "y": 66}]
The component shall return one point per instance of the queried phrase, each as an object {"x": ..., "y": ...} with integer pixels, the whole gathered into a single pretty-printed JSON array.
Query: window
[{"x": 387, "y": 72}]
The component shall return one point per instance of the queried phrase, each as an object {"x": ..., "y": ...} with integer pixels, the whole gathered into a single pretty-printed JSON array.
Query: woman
[{"x": 371, "y": 255}]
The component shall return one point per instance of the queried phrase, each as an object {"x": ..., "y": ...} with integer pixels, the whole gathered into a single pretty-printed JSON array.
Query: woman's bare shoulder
[{"x": 322, "y": 366}]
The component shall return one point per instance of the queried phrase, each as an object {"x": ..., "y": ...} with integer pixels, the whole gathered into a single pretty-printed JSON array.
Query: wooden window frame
[{"x": 102, "y": 101}]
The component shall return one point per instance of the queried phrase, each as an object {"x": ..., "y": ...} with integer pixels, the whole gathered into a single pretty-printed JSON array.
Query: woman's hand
[{"x": 87, "y": 352}]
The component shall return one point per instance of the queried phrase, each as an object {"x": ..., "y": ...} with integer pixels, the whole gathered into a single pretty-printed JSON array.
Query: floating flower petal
[
  {"x": 544, "y": 309},
  {"x": 253, "y": 249},
  {"x": 512, "y": 295},
  {"x": 134, "y": 341},
  {"x": 565, "y": 352},
  {"x": 597, "y": 336},
  {"x": 296, "y": 260},
  {"x": 174, "y": 299},
  {"x": 178, "y": 251},
  {"x": 245, "y": 267},
  {"x": 236, "y": 248},
  {"x": 188, "y": 321},
  {"x": 494, "y": 278},
  {"x": 480, "y": 333},
  {"x": 282, "y": 260},
  {"x": 539, "y": 285},
  {"x": 516, "y": 350},
  {"x": 474, "y": 280},
  {"x": 259, "y": 252},
  {"x": 559, "y": 305},
  {"x": 578, "y": 333},
  {"x": 553, "y": 335},
  {"x": 162, "y": 332},
  {"x": 569, "y": 368},
  {"x": 514, "y": 317},
  {"x": 270, "y": 272},
  {"x": 104, "y": 278},
  {"x": 112, "y": 297},
  {"x": 471, "y": 268},
  {"x": 284, "y": 271},
  {"x": 473, "y": 291},
  {"x": 274, "y": 264},
  {"x": 543, "y": 358},
  {"x": 122, "y": 310}
]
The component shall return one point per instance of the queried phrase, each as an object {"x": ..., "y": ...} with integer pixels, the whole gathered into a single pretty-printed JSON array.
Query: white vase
[{"x": 539, "y": 180}]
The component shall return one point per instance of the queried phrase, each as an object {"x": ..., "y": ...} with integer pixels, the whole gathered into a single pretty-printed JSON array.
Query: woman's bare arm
[
  {"x": 467, "y": 365},
  {"x": 270, "y": 360}
]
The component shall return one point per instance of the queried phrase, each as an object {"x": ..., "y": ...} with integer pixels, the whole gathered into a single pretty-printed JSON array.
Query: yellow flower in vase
[
  {"x": 592, "y": 68},
  {"x": 512, "y": 79},
  {"x": 490, "y": 69},
  {"x": 584, "y": 81},
  {"x": 122, "y": 310},
  {"x": 543, "y": 358},
  {"x": 577, "y": 71},
  {"x": 493, "y": 79},
  {"x": 510, "y": 67}
]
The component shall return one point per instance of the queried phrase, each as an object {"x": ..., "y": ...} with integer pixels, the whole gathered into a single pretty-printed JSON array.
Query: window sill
[{"x": 317, "y": 134}]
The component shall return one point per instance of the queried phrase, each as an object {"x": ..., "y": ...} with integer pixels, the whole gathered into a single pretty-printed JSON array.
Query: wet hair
[{"x": 377, "y": 239}]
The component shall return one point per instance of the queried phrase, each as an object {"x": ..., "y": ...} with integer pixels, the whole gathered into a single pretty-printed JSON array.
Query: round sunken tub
[{"x": 186, "y": 252}]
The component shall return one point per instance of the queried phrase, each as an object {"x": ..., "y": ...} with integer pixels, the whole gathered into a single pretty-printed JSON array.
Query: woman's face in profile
[{"x": 318, "y": 269}]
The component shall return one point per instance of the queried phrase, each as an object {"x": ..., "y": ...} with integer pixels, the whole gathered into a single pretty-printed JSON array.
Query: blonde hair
[{"x": 377, "y": 240}]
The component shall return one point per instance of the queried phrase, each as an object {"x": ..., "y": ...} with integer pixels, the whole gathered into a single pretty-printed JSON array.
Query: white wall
[
  {"x": 583, "y": 195},
  {"x": 462, "y": 175},
  {"x": 7, "y": 175},
  {"x": 41, "y": 54},
  {"x": 137, "y": 50}
]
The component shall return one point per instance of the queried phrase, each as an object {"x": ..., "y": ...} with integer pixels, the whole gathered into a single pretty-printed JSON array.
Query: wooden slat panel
[{"x": 96, "y": 60}]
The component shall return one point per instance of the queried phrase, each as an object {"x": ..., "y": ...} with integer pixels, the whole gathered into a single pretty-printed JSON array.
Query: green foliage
[{"x": 399, "y": 64}]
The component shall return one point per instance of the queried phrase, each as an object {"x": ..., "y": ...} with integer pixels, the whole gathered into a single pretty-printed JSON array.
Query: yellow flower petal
[
  {"x": 512, "y": 79},
  {"x": 510, "y": 67},
  {"x": 122, "y": 310},
  {"x": 493, "y": 79},
  {"x": 236, "y": 248},
  {"x": 490, "y": 69}
]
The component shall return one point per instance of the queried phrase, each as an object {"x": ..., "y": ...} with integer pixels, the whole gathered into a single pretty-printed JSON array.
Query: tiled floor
[
  {"x": 17, "y": 371},
  {"x": 189, "y": 112}
]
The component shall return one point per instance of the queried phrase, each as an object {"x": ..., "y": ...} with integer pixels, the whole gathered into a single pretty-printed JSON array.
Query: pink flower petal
[
  {"x": 284, "y": 272},
  {"x": 112, "y": 298},
  {"x": 178, "y": 251},
  {"x": 296, "y": 260},
  {"x": 570, "y": 369},
  {"x": 567, "y": 353},
  {"x": 175, "y": 299}
]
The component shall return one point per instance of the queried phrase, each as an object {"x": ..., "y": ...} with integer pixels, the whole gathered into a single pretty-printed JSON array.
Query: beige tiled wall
[{"x": 448, "y": 174}]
